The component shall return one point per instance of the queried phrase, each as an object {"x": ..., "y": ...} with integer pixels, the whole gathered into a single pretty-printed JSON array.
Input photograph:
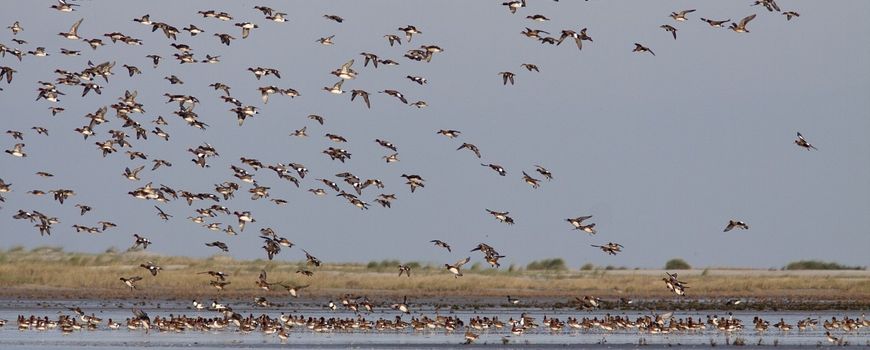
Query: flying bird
[
  {"x": 293, "y": 290},
  {"x": 641, "y": 48},
  {"x": 395, "y": 94},
  {"x": 449, "y": 133},
  {"x": 7, "y": 72},
  {"x": 670, "y": 28},
  {"x": 801, "y": 142},
  {"x": 732, "y": 224},
  {"x": 17, "y": 151},
  {"x": 544, "y": 172},
  {"x": 393, "y": 39},
  {"x": 681, "y": 15},
  {"x": 409, "y": 32},
  {"x": 770, "y": 5},
  {"x": 72, "y": 34},
  {"x": 140, "y": 241},
  {"x": 440, "y": 243},
  {"x": 335, "y": 18},
  {"x": 336, "y": 88},
  {"x": 471, "y": 148},
  {"x": 530, "y": 67},
  {"x": 405, "y": 269},
  {"x": 741, "y": 27},
  {"x": 507, "y": 77},
  {"x": 514, "y": 5},
  {"x": 716, "y": 23},
  {"x": 220, "y": 245},
  {"x": 495, "y": 167},
  {"x": 362, "y": 93},
  {"x": 455, "y": 269},
  {"x": 327, "y": 41},
  {"x": 130, "y": 282},
  {"x": 151, "y": 267},
  {"x": 610, "y": 248},
  {"x": 535, "y": 183},
  {"x": 15, "y": 28},
  {"x": 501, "y": 216}
]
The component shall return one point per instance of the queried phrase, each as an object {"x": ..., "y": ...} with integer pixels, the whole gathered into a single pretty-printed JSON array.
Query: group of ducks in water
[{"x": 285, "y": 324}]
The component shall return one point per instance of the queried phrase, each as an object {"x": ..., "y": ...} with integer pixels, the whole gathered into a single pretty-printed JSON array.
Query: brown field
[{"x": 45, "y": 273}]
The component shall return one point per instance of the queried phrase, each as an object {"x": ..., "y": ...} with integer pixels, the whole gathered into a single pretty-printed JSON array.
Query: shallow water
[{"x": 301, "y": 337}]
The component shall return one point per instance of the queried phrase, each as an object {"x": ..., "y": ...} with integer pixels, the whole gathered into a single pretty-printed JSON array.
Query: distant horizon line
[{"x": 431, "y": 264}]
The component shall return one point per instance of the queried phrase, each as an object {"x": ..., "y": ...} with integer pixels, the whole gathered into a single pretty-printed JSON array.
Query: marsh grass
[{"x": 49, "y": 269}]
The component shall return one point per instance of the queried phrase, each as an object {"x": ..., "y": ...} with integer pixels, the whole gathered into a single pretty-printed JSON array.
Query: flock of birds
[
  {"x": 95, "y": 79},
  {"x": 286, "y": 325}
]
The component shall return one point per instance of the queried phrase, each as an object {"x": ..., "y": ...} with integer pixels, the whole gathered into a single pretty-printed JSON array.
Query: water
[{"x": 302, "y": 337}]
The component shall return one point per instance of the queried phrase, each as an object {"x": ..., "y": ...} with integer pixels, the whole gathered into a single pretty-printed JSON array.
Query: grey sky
[{"x": 663, "y": 150}]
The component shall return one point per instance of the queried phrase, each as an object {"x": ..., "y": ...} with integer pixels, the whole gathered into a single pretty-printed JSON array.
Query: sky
[{"x": 662, "y": 150}]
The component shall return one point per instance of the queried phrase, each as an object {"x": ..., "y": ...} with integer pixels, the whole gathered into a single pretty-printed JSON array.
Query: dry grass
[{"x": 52, "y": 272}]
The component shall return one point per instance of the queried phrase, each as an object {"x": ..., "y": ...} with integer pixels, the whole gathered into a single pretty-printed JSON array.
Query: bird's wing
[
  {"x": 140, "y": 314},
  {"x": 75, "y": 27},
  {"x": 746, "y": 20},
  {"x": 774, "y": 5}
]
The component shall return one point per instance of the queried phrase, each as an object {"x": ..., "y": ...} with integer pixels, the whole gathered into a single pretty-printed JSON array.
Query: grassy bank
[{"x": 53, "y": 272}]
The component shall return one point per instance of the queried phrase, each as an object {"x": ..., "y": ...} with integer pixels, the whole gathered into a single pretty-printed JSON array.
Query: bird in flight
[
  {"x": 802, "y": 142},
  {"x": 741, "y": 26},
  {"x": 732, "y": 224},
  {"x": 455, "y": 269},
  {"x": 640, "y": 48},
  {"x": 681, "y": 15},
  {"x": 440, "y": 243}
]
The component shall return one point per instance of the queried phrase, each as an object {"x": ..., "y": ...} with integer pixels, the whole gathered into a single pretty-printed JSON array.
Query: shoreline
[{"x": 808, "y": 302}]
